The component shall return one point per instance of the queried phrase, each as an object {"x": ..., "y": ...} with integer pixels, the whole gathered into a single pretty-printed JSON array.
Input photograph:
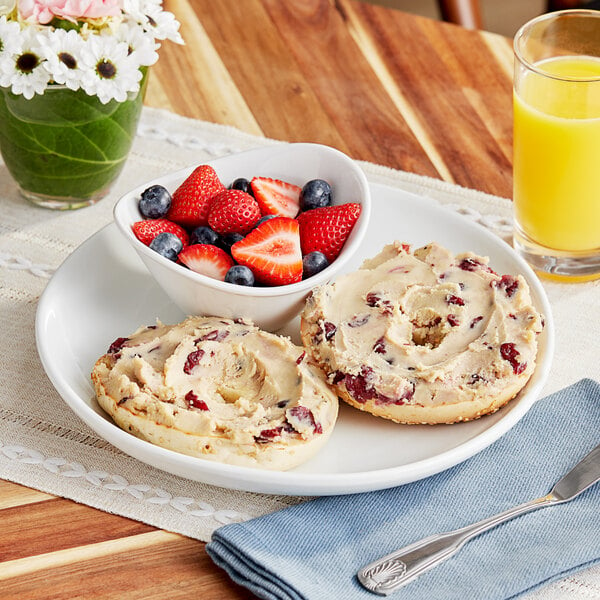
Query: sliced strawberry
[
  {"x": 146, "y": 231},
  {"x": 233, "y": 211},
  {"x": 191, "y": 200},
  {"x": 207, "y": 260},
  {"x": 326, "y": 229},
  {"x": 276, "y": 197},
  {"x": 272, "y": 252}
]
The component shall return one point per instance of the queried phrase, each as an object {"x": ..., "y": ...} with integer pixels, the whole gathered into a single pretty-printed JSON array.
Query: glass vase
[{"x": 64, "y": 148}]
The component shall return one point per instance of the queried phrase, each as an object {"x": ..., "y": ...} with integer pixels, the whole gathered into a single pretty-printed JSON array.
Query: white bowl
[{"x": 268, "y": 307}]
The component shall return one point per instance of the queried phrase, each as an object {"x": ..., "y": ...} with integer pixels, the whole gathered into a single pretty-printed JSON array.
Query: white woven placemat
[{"x": 45, "y": 446}]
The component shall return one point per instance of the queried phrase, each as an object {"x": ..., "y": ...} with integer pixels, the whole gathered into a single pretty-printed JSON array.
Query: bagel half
[
  {"x": 424, "y": 337},
  {"x": 218, "y": 390}
]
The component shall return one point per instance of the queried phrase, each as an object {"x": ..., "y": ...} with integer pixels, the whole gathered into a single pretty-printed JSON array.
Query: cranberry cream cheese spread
[
  {"x": 219, "y": 390},
  {"x": 424, "y": 336}
]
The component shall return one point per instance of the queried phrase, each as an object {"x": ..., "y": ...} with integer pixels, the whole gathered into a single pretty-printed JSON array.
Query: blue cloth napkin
[{"x": 313, "y": 550}]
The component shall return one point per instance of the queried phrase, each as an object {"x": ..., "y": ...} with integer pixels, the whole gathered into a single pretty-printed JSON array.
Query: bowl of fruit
[{"x": 249, "y": 235}]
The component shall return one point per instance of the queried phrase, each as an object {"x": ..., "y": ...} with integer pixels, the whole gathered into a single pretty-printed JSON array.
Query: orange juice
[{"x": 556, "y": 154}]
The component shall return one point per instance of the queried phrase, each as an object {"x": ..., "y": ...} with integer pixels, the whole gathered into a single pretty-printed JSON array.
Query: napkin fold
[{"x": 313, "y": 550}]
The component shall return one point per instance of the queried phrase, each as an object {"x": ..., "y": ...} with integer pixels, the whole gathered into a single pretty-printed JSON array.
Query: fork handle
[{"x": 390, "y": 572}]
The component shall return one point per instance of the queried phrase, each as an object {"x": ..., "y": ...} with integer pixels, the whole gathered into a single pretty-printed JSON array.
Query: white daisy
[
  {"x": 22, "y": 71},
  {"x": 135, "y": 9},
  {"x": 162, "y": 23},
  {"x": 7, "y": 6},
  {"x": 9, "y": 37},
  {"x": 142, "y": 47},
  {"x": 62, "y": 51},
  {"x": 103, "y": 56},
  {"x": 108, "y": 71}
]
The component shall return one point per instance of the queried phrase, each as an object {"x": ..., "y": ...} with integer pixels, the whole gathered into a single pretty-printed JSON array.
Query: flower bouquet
[{"x": 72, "y": 81}]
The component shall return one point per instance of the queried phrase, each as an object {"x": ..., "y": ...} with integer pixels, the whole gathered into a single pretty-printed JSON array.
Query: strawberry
[
  {"x": 206, "y": 259},
  {"x": 233, "y": 211},
  {"x": 191, "y": 200},
  {"x": 276, "y": 197},
  {"x": 272, "y": 252},
  {"x": 146, "y": 231},
  {"x": 326, "y": 229}
]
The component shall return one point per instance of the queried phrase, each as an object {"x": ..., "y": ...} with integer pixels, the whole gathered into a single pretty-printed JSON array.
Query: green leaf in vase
[{"x": 65, "y": 143}]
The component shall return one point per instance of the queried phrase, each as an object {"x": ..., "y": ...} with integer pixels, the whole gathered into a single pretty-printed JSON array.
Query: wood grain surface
[
  {"x": 381, "y": 85},
  {"x": 384, "y": 86}
]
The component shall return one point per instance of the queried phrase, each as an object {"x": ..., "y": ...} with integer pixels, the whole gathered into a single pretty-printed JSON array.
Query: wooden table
[{"x": 380, "y": 85}]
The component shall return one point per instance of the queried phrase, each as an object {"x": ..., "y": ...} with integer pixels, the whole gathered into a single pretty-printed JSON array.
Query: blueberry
[
  {"x": 240, "y": 275},
  {"x": 204, "y": 235},
  {"x": 313, "y": 263},
  {"x": 241, "y": 184},
  {"x": 155, "y": 202},
  {"x": 315, "y": 194},
  {"x": 229, "y": 239},
  {"x": 167, "y": 245},
  {"x": 265, "y": 218}
]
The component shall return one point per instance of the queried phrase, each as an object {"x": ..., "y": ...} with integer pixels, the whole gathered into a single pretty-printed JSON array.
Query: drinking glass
[{"x": 556, "y": 100}]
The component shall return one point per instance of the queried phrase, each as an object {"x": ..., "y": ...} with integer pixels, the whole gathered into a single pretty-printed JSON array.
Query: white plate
[{"x": 103, "y": 291}]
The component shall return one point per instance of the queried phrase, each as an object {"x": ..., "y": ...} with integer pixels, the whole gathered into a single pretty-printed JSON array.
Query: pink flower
[{"x": 43, "y": 11}]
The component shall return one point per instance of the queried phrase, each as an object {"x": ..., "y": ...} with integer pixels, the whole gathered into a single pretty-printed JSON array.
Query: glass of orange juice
[{"x": 557, "y": 144}]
